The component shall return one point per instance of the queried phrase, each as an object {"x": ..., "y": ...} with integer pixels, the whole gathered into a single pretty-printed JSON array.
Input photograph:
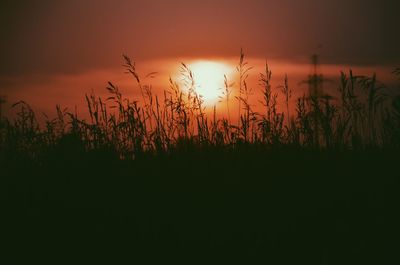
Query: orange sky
[
  {"x": 54, "y": 52},
  {"x": 43, "y": 92}
]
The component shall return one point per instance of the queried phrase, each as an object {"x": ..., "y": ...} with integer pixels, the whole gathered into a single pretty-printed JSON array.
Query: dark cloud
[{"x": 75, "y": 36}]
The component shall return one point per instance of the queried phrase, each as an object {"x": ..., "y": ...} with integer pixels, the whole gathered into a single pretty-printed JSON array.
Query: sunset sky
[{"x": 56, "y": 51}]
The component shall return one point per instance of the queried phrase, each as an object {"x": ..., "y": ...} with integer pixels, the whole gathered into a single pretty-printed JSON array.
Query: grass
[
  {"x": 362, "y": 117},
  {"x": 159, "y": 179}
]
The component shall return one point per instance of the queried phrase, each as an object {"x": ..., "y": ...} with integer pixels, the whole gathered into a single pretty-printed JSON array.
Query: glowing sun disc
[{"x": 209, "y": 78}]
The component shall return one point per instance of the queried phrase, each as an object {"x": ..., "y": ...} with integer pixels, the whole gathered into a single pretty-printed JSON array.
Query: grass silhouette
[{"x": 159, "y": 179}]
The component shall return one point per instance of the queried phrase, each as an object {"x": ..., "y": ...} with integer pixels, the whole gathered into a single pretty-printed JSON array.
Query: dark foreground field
[
  {"x": 162, "y": 181},
  {"x": 212, "y": 206}
]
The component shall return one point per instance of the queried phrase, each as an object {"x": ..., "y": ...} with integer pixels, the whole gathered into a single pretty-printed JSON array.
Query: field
[{"x": 159, "y": 178}]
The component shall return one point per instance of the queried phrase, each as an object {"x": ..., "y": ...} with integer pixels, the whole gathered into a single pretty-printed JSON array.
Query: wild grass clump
[{"x": 362, "y": 116}]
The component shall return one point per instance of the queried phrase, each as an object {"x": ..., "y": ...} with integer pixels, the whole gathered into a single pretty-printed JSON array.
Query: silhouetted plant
[{"x": 362, "y": 116}]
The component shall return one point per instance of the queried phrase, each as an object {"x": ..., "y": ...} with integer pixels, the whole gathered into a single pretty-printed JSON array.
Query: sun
[{"x": 209, "y": 79}]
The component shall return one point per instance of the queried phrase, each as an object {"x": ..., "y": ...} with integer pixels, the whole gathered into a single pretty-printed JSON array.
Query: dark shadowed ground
[{"x": 250, "y": 206}]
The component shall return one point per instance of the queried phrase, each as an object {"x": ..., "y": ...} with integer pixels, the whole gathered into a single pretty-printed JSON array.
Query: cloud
[{"x": 77, "y": 36}]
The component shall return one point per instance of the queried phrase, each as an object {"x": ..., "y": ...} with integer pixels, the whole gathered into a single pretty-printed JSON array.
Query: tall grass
[{"x": 363, "y": 116}]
